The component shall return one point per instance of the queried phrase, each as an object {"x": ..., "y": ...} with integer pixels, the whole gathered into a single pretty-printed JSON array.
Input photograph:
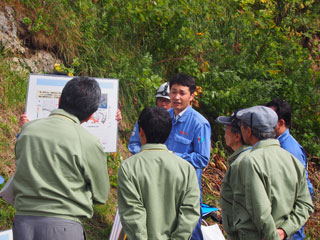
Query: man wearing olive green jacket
[
  {"x": 234, "y": 140},
  {"x": 271, "y": 196},
  {"x": 61, "y": 169},
  {"x": 158, "y": 193}
]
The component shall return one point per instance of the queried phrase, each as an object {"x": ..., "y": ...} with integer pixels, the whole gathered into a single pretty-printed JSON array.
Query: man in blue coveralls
[
  {"x": 191, "y": 132},
  {"x": 287, "y": 142}
]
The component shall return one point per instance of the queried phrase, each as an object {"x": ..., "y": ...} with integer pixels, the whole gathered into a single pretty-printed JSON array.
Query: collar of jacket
[
  {"x": 284, "y": 136},
  {"x": 184, "y": 116},
  {"x": 238, "y": 152},
  {"x": 154, "y": 146},
  {"x": 266, "y": 143},
  {"x": 62, "y": 113}
]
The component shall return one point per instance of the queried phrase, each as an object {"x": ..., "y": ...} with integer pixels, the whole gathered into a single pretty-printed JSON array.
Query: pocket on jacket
[
  {"x": 182, "y": 140},
  {"x": 240, "y": 215}
]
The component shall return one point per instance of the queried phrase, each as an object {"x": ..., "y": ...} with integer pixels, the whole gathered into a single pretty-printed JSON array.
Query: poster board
[{"x": 43, "y": 97}]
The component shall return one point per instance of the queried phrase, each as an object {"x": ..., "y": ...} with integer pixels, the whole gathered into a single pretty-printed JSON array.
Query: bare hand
[
  {"x": 118, "y": 116},
  {"x": 23, "y": 119},
  {"x": 281, "y": 233}
]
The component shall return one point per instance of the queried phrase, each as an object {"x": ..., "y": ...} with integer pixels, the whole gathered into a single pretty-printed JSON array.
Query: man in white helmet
[{"x": 162, "y": 100}]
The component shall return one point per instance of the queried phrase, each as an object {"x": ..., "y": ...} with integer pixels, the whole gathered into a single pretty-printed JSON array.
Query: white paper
[
  {"x": 6, "y": 235},
  {"x": 43, "y": 97},
  {"x": 212, "y": 232},
  {"x": 116, "y": 228}
]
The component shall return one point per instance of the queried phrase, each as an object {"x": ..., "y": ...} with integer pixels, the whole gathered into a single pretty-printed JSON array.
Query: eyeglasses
[{"x": 163, "y": 100}]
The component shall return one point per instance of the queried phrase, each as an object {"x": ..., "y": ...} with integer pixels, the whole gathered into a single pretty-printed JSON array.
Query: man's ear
[
  {"x": 237, "y": 137},
  {"x": 141, "y": 132},
  {"x": 142, "y": 135},
  {"x": 249, "y": 131},
  {"x": 281, "y": 123}
]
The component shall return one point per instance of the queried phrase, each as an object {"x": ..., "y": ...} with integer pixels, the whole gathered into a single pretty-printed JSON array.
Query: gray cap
[
  {"x": 261, "y": 118},
  {"x": 224, "y": 120},
  {"x": 231, "y": 121}
]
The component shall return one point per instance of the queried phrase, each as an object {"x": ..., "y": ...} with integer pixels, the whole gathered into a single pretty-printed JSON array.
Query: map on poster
[{"x": 43, "y": 97}]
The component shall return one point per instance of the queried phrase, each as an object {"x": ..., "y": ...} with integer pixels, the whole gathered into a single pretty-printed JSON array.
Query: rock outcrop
[{"x": 20, "y": 56}]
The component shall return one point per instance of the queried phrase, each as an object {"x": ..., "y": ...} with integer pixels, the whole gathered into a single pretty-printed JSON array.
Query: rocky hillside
[{"x": 15, "y": 44}]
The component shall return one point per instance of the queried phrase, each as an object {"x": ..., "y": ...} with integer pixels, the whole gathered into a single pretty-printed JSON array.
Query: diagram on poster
[{"x": 43, "y": 96}]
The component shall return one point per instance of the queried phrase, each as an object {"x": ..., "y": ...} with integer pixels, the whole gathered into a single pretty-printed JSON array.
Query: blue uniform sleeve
[
  {"x": 303, "y": 160},
  {"x": 199, "y": 158},
  {"x": 134, "y": 144}
]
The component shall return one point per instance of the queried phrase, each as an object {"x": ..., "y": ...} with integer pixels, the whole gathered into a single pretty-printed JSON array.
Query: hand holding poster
[{"x": 43, "y": 97}]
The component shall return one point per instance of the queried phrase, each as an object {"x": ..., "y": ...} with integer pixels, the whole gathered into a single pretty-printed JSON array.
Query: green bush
[{"x": 242, "y": 52}]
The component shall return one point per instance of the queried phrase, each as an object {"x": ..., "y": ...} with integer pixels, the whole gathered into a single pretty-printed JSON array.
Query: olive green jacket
[
  {"x": 61, "y": 169},
  {"x": 228, "y": 181},
  {"x": 158, "y": 195},
  {"x": 271, "y": 193}
]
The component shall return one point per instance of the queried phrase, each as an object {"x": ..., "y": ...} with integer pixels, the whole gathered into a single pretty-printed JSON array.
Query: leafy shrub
[{"x": 242, "y": 52}]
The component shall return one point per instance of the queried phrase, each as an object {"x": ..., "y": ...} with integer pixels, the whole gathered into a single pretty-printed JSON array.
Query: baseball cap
[
  {"x": 261, "y": 118},
  {"x": 224, "y": 120},
  {"x": 232, "y": 120},
  {"x": 163, "y": 91}
]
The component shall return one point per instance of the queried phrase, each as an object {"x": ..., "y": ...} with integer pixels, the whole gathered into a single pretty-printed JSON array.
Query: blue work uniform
[
  {"x": 134, "y": 144},
  {"x": 290, "y": 144},
  {"x": 190, "y": 139}
]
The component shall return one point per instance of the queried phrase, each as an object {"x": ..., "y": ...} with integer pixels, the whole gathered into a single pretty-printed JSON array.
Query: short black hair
[
  {"x": 156, "y": 124},
  {"x": 81, "y": 97},
  {"x": 282, "y": 108},
  {"x": 184, "y": 80}
]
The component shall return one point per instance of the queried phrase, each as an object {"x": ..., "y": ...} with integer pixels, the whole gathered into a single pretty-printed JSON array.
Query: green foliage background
[{"x": 242, "y": 52}]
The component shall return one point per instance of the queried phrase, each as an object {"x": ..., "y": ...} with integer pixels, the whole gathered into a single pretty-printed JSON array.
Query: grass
[
  {"x": 99, "y": 226},
  {"x": 7, "y": 212}
]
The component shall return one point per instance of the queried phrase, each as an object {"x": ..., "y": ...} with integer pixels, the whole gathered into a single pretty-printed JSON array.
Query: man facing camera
[
  {"x": 191, "y": 132},
  {"x": 158, "y": 193},
  {"x": 61, "y": 168}
]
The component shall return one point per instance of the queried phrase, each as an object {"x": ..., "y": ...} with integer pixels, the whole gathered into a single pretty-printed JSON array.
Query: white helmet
[{"x": 163, "y": 91}]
